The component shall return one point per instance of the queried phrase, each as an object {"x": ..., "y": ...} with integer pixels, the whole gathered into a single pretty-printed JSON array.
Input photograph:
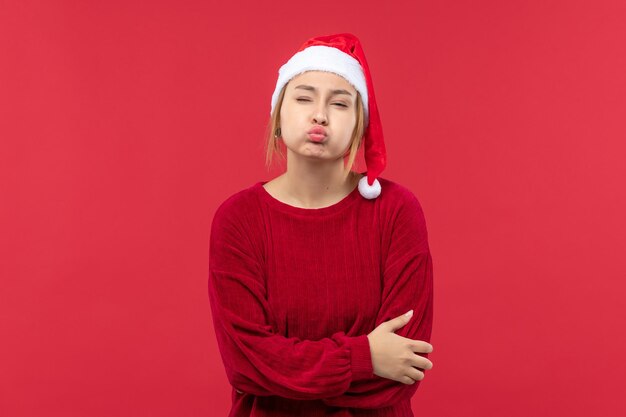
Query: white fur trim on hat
[
  {"x": 369, "y": 191},
  {"x": 323, "y": 58}
]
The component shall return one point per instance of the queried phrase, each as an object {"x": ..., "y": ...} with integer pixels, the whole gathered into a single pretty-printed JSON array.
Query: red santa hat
[{"x": 343, "y": 55}]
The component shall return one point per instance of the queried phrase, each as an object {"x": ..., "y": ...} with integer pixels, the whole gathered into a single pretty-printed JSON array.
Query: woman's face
[{"x": 318, "y": 99}]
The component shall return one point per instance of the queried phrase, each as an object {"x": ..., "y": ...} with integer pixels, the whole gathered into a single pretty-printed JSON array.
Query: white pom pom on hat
[{"x": 343, "y": 55}]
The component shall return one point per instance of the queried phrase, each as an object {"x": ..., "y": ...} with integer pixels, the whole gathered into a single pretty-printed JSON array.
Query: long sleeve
[
  {"x": 407, "y": 284},
  {"x": 256, "y": 358}
]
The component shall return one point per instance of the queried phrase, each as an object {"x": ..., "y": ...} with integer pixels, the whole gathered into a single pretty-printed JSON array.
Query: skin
[
  {"x": 313, "y": 178},
  {"x": 396, "y": 357}
]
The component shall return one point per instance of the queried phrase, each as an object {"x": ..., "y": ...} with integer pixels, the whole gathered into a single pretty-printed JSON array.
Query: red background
[{"x": 124, "y": 124}]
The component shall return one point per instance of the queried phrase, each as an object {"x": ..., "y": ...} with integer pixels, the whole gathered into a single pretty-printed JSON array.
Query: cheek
[
  {"x": 350, "y": 124},
  {"x": 288, "y": 116},
  {"x": 283, "y": 114}
]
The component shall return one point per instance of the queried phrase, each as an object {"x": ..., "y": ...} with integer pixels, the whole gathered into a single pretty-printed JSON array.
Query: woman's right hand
[{"x": 395, "y": 357}]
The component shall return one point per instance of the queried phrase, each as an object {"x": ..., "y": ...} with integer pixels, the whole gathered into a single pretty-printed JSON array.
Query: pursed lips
[{"x": 317, "y": 134}]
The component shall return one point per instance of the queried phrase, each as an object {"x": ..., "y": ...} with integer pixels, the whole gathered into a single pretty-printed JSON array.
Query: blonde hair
[{"x": 272, "y": 145}]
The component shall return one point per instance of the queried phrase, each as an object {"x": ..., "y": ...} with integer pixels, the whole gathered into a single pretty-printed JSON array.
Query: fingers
[
  {"x": 421, "y": 362},
  {"x": 407, "y": 380},
  {"x": 399, "y": 321},
  {"x": 415, "y": 374},
  {"x": 420, "y": 346}
]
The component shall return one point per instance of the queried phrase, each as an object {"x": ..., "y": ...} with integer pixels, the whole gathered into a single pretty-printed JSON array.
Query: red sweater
[{"x": 295, "y": 291}]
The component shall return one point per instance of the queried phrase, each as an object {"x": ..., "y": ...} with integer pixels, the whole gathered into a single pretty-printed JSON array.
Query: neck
[{"x": 314, "y": 183}]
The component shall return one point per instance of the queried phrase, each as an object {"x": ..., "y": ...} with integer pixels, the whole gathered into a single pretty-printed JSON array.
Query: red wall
[{"x": 123, "y": 124}]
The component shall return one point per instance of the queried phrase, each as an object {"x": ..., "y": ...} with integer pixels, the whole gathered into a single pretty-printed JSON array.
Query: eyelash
[{"x": 302, "y": 99}]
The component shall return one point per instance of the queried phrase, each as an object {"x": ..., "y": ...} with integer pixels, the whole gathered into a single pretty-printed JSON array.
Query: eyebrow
[{"x": 333, "y": 92}]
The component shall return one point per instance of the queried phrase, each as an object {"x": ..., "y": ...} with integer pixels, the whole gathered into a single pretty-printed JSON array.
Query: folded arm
[{"x": 407, "y": 284}]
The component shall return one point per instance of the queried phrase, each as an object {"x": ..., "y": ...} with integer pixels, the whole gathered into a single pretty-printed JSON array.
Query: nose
[{"x": 320, "y": 115}]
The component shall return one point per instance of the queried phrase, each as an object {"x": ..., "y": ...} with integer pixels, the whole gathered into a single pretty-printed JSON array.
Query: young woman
[{"x": 310, "y": 274}]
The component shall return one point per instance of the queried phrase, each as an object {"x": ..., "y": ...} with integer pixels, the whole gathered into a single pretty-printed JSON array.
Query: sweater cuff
[{"x": 361, "y": 356}]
